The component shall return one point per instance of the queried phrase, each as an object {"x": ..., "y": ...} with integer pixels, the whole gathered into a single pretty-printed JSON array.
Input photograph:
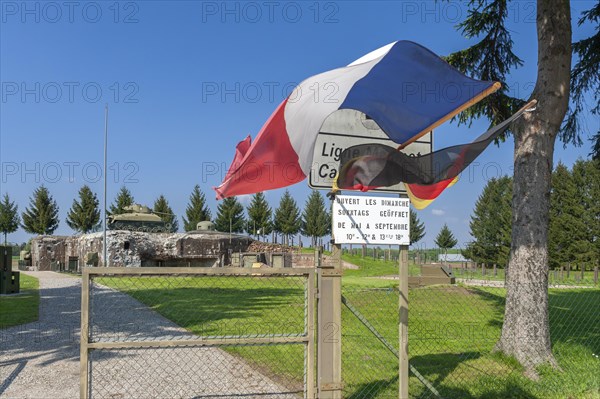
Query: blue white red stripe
[{"x": 403, "y": 86}]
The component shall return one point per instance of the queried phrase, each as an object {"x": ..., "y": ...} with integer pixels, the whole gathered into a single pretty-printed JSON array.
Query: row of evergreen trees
[
  {"x": 574, "y": 232},
  {"x": 41, "y": 216}
]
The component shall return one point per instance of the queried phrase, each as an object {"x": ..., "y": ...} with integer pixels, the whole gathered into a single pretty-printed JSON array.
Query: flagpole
[{"x": 105, "y": 180}]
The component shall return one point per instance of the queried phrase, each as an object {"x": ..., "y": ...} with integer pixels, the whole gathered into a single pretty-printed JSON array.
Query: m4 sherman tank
[{"x": 138, "y": 218}]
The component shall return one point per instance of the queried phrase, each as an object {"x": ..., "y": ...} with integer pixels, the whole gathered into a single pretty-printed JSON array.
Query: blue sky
[{"x": 186, "y": 80}]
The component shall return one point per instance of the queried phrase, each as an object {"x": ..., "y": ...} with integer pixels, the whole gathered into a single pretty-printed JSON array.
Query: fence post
[
  {"x": 329, "y": 316},
  {"x": 568, "y": 270},
  {"x": 495, "y": 271},
  {"x": 562, "y": 273},
  {"x": 84, "y": 336},
  {"x": 403, "y": 327},
  {"x": 596, "y": 275},
  {"x": 582, "y": 271}
]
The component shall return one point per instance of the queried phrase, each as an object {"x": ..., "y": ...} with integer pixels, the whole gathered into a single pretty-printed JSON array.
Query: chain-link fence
[
  {"x": 453, "y": 330},
  {"x": 202, "y": 333}
]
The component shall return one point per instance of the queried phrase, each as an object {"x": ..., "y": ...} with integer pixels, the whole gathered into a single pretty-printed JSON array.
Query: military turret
[
  {"x": 138, "y": 218},
  {"x": 205, "y": 226}
]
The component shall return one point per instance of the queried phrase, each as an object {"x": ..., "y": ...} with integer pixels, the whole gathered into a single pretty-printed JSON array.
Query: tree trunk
[{"x": 525, "y": 331}]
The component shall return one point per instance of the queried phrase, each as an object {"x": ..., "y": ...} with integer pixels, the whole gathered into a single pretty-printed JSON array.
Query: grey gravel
[{"x": 41, "y": 359}]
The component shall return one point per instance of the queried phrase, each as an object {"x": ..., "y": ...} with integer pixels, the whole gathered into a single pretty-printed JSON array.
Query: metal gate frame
[{"x": 307, "y": 338}]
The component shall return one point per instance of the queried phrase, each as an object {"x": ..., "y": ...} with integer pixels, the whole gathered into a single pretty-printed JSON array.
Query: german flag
[{"x": 367, "y": 166}]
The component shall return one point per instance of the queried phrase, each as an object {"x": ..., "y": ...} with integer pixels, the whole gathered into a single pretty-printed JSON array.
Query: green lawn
[
  {"x": 554, "y": 277},
  {"x": 452, "y": 332},
  {"x": 371, "y": 269},
  {"x": 232, "y": 306},
  {"x": 22, "y": 308}
]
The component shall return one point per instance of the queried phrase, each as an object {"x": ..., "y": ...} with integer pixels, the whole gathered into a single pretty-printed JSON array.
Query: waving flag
[
  {"x": 368, "y": 166},
  {"x": 404, "y": 87}
]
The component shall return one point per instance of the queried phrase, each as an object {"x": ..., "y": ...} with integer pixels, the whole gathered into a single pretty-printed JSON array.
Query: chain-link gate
[
  {"x": 453, "y": 330},
  {"x": 195, "y": 332}
]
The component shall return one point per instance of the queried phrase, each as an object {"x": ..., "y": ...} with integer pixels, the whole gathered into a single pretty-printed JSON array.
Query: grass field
[
  {"x": 22, "y": 308},
  {"x": 370, "y": 267},
  {"x": 453, "y": 330},
  {"x": 554, "y": 277},
  {"x": 230, "y": 307}
]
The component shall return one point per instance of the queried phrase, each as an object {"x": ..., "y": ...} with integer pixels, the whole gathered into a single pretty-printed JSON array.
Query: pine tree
[
  {"x": 491, "y": 224},
  {"x": 316, "y": 220},
  {"x": 9, "y": 217},
  {"x": 196, "y": 211},
  {"x": 445, "y": 239},
  {"x": 84, "y": 214},
  {"x": 124, "y": 198},
  {"x": 230, "y": 215},
  {"x": 42, "y": 215},
  {"x": 585, "y": 79},
  {"x": 585, "y": 177},
  {"x": 417, "y": 228},
  {"x": 259, "y": 216},
  {"x": 593, "y": 168},
  {"x": 161, "y": 208},
  {"x": 526, "y": 328},
  {"x": 287, "y": 219},
  {"x": 569, "y": 234}
]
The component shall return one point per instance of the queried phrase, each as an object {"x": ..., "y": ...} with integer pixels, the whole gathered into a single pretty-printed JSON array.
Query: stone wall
[
  {"x": 135, "y": 249},
  {"x": 131, "y": 249}
]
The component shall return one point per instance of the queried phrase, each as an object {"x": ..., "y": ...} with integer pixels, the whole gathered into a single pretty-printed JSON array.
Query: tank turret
[
  {"x": 138, "y": 218},
  {"x": 205, "y": 226}
]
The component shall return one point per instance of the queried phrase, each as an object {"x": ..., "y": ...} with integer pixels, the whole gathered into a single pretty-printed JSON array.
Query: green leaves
[
  {"x": 491, "y": 58},
  {"x": 575, "y": 214},
  {"x": 417, "y": 228},
  {"x": 585, "y": 79},
  {"x": 230, "y": 216},
  {"x": 316, "y": 220},
  {"x": 491, "y": 224},
  {"x": 84, "y": 214},
  {"x": 9, "y": 216},
  {"x": 162, "y": 209},
  {"x": 124, "y": 198},
  {"x": 259, "y": 216},
  {"x": 445, "y": 239},
  {"x": 196, "y": 211},
  {"x": 287, "y": 219},
  {"x": 41, "y": 217}
]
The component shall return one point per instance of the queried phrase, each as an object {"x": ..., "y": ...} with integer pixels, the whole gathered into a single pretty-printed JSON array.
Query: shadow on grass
[
  {"x": 573, "y": 314},
  {"x": 437, "y": 369},
  {"x": 508, "y": 392},
  {"x": 373, "y": 389},
  {"x": 574, "y": 317},
  {"x": 206, "y": 309}
]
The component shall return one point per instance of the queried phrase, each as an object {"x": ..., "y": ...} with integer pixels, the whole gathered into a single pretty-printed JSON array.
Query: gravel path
[{"x": 41, "y": 359}]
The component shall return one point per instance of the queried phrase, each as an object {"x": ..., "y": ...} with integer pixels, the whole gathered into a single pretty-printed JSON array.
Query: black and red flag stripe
[{"x": 367, "y": 166}]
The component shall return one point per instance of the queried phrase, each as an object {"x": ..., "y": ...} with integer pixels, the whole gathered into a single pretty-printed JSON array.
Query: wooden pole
[
  {"x": 403, "y": 367},
  {"x": 329, "y": 324},
  {"x": 329, "y": 316}
]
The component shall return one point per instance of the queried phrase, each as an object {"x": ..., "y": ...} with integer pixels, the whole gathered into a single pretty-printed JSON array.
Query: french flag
[{"x": 404, "y": 87}]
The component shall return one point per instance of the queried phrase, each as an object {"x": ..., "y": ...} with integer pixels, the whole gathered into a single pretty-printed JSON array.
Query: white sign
[
  {"x": 371, "y": 220},
  {"x": 345, "y": 128}
]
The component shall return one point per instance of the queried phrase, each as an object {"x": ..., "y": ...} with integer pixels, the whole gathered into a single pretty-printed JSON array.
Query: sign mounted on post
[
  {"x": 371, "y": 220},
  {"x": 345, "y": 128}
]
